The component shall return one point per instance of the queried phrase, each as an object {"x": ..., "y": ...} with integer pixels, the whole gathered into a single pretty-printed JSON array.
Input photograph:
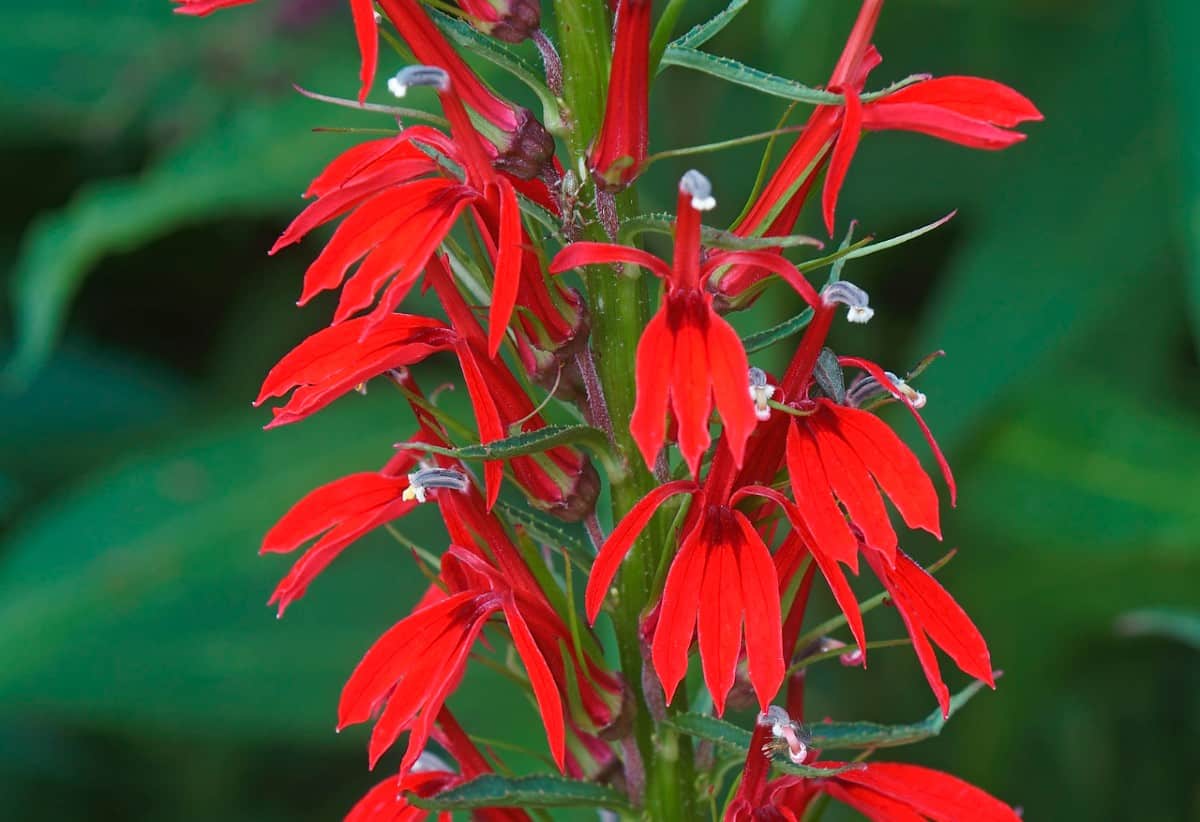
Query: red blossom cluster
[{"x": 791, "y": 478}]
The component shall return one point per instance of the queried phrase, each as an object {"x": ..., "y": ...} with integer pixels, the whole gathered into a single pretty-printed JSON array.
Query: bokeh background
[{"x": 149, "y": 161}]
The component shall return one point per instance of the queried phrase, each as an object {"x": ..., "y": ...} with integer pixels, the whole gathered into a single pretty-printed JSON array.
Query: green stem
[{"x": 619, "y": 308}]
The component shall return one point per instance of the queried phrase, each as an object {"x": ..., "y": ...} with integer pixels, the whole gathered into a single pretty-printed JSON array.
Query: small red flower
[
  {"x": 721, "y": 579},
  {"x": 619, "y": 151},
  {"x": 404, "y": 205},
  {"x": 365, "y": 30},
  {"x": 970, "y": 111},
  {"x": 688, "y": 356}
]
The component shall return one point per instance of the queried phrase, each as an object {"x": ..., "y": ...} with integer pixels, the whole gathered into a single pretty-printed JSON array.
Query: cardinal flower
[
  {"x": 881, "y": 791},
  {"x": 363, "y": 12},
  {"x": 722, "y": 580},
  {"x": 404, "y": 205},
  {"x": 969, "y": 111},
  {"x": 688, "y": 357},
  {"x": 620, "y": 149}
]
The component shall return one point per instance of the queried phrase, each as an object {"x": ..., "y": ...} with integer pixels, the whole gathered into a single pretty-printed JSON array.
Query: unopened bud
[
  {"x": 761, "y": 392},
  {"x": 410, "y": 76},
  {"x": 858, "y": 309},
  {"x": 427, "y": 479},
  {"x": 699, "y": 188}
]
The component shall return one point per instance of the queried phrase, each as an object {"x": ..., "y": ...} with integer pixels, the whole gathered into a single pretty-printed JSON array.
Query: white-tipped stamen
[
  {"x": 410, "y": 76},
  {"x": 699, "y": 188},
  {"x": 858, "y": 309},
  {"x": 426, "y": 479},
  {"x": 761, "y": 393},
  {"x": 915, "y": 398},
  {"x": 786, "y": 732}
]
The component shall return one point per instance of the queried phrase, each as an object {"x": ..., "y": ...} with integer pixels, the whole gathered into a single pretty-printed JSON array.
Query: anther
[
  {"x": 866, "y": 388},
  {"x": 427, "y": 479},
  {"x": 760, "y": 392},
  {"x": 697, "y": 185},
  {"x": 786, "y": 732},
  {"x": 410, "y": 76},
  {"x": 854, "y": 298}
]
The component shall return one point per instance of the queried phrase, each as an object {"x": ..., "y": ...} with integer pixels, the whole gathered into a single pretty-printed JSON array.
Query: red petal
[
  {"x": 647, "y": 424},
  {"x": 893, "y": 465},
  {"x": 729, "y": 369},
  {"x": 940, "y": 123},
  {"x": 487, "y": 417},
  {"x": 874, "y": 806},
  {"x": 774, "y": 263},
  {"x": 677, "y": 613},
  {"x": 973, "y": 97},
  {"x": 621, "y": 540},
  {"x": 937, "y": 795},
  {"x": 691, "y": 397},
  {"x": 577, "y": 255},
  {"x": 853, "y": 485},
  {"x": 544, "y": 690},
  {"x": 843, "y": 594},
  {"x": 507, "y": 280},
  {"x": 365, "y": 32},
  {"x": 392, "y": 654},
  {"x": 814, "y": 499},
  {"x": 843, "y": 153},
  {"x": 720, "y": 608},
  {"x": 760, "y": 596}
]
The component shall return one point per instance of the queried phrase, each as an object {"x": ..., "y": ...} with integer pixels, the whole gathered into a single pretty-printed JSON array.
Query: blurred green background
[{"x": 151, "y": 159}]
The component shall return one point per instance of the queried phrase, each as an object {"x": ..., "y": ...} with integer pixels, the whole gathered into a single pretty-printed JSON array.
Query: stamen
[
  {"x": 761, "y": 393},
  {"x": 427, "y": 479},
  {"x": 854, "y": 298},
  {"x": 418, "y": 76},
  {"x": 787, "y": 732},
  {"x": 866, "y": 388},
  {"x": 700, "y": 189}
]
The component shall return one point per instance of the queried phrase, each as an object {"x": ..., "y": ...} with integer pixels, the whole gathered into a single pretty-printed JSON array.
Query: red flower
[
  {"x": 401, "y": 213},
  {"x": 881, "y": 791},
  {"x": 525, "y": 147},
  {"x": 721, "y": 579},
  {"x": 512, "y": 21},
  {"x": 688, "y": 356},
  {"x": 970, "y": 111},
  {"x": 365, "y": 31},
  {"x": 617, "y": 155}
]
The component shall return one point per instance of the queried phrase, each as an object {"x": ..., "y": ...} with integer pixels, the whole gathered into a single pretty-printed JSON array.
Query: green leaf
[
  {"x": 740, "y": 74},
  {"x": 540, "y": 791},
  {"x": 1182, "y": 626},
  {"x": 520, "y": 445},
  {"x": 841, "y": 735},
  {"x": 700, "y": 34},
  {"x": 737, "y": 740}
]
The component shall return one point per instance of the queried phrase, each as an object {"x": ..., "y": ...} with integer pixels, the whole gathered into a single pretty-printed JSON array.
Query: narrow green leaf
[
  {"x": 700, "y": 34},
  {"x": 540, "y": 791},
  {"x": 839, "y": 735},
  {"x": 740, "y": 74},
  {"x": 733, "y": 738},
  {"x": 663, "y": 223},
  {"x": 520, "y": 445}
]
